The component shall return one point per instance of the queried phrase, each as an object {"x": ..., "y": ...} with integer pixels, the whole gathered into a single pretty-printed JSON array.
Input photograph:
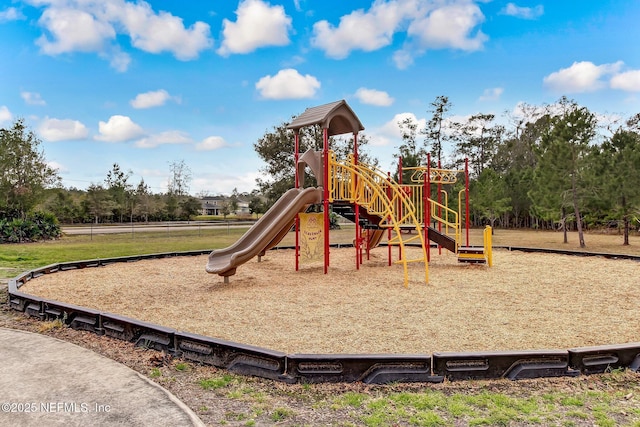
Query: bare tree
[{"x": 179, "y": 179}]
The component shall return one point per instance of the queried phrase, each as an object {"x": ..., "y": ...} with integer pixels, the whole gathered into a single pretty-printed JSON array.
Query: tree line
[
  {"x": 33, "y": 202},
  {"x": 117, "y": 200},
  {"x": 555, "y": 166}
]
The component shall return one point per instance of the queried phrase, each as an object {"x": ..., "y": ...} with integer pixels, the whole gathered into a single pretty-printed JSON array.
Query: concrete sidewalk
[{"x": 46, "y": 381}]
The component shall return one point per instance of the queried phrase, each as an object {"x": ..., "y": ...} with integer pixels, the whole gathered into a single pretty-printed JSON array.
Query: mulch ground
[{"x": 525, "y": 301}]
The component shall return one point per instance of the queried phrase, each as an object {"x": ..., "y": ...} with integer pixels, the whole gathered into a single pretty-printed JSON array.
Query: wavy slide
[{"x": 265, "y": 233}]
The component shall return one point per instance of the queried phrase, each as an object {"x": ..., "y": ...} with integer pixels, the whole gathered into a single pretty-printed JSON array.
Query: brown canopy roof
[{"x": 337, "y": 117}]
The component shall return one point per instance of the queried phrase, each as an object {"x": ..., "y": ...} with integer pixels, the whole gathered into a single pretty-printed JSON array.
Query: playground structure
[{"x": 375, "y": 202}]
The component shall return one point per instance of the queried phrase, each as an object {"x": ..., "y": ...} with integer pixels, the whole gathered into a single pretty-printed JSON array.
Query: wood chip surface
[{"x": 525, "y": 301}]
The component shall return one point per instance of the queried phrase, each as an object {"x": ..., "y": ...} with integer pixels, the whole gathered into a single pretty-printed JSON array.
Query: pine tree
[
  {"x": 560, "y": 176},
  {"x": 120, "y": 190},
  {"x": 489, "y": 195},
  {"x": 477, "y": 139},
  {"x": 434, "y": 131},
  {"x": 621, "y": 158}
]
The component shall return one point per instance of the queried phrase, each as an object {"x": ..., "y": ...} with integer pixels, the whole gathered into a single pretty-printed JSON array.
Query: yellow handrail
[
  {"x": 381, "y": 196},
  {"x": 452, "y": 224},
  {"x": 488, "y": 244},
  {"x": 449, "y": 218},
  {"x": 460, "y": 193}
]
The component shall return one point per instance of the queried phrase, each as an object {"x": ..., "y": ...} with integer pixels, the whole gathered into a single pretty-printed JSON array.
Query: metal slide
[{"x": 265, "y": 233}]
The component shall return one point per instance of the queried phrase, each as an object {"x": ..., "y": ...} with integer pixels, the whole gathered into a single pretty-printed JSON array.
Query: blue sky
[{"x": 144, "y": 84}]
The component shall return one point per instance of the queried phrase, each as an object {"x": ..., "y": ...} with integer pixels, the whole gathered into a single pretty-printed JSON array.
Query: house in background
[{"x": 215, "y": 205}]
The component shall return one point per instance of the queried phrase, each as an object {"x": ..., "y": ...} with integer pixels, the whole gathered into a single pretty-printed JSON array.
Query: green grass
[
  {"x": 484, "y": 408},
  {"x": 16, "y": 258},
  {"x": 181, "y": 366},
  {"x": 351, "y": 399},
  {"x": 217, "y": 382},
  {"x": 280, "y": 414}
]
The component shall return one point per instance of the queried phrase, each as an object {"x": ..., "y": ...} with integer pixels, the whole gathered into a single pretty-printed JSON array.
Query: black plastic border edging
[{"x": 314, "y": 368}]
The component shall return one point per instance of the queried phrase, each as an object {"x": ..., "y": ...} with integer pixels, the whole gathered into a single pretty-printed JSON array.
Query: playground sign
[{"x": 311, "y": 237}]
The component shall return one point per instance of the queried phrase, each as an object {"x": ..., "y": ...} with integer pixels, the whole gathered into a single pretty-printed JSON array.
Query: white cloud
[
  {"x": 118, "y": 59},
  {"x": 524, "y": 113},
  {"x": 155, "y": 173},
  {"x": 627, "y": 81},
  {"x": 5, "y": 114},
  {"x": 224, "y": 183},
  {"x": 211, "y": 143},
  {"x": 359, "y": 30},
  {"x": 11, "y": 14},
  {"x": 259, "y": 24},
  {"x": 73, "y": 30},
  {"x": 580, "y": 77},
  {"x": 93, "y": 26},
  {"x": 293, "y": 61},
  {"x": 609, "y": 120},
  {"x": 374, "y": 97},
  {"x": 390, "y": 133},
  {"x": 449, "y": 24},
  {"x": 512, "y": 9},
  {"x": 162, "y": 32},
  {"x": 403, "y": 58},
  {"x": 163, "y": 138},
  {"x": 58, "y": 167},
  {"x": 62, "y": 130},
  {"x": 491, "y": 94},
  {"x": 150, "y": 99},
  {"x": 119, "y": 129},
  {"x": 32, "y": 98},
  {"x": 288, "y": 84}
]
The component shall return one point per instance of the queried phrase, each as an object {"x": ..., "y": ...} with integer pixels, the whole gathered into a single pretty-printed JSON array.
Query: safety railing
[
  {"x": 448, "y": 219},
  {"x": 440, "y": 213},
  {"x": 372, "y": 189}
]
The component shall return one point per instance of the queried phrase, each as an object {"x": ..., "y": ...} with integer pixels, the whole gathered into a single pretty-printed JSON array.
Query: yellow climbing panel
[{"x": 437, "y": 176}]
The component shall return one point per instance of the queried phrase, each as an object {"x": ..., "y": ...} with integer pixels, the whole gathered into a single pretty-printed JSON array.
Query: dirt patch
[{"x": 526, "y": 301}]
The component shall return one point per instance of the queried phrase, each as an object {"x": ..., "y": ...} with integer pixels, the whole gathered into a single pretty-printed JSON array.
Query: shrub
[{"x": 36, "y": 226}]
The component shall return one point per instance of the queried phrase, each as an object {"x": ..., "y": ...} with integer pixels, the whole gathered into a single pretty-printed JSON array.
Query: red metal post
[
  {"x": 325, "y": 202},
  {"x": 297, "y": 185},
  {"x": 428, "y": 207},
  {"x": 439, "y": 208},
  {"x": 389, "y": 219},
  {"x": 425, "y": 200},
  {"x": 400, "y": 213},
  {"x": 358, "y": 242},
  {"x": 466, "y": 196}
]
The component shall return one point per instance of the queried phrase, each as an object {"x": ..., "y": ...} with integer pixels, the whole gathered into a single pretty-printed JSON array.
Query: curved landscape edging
[{"x": 313, "y": 368}]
